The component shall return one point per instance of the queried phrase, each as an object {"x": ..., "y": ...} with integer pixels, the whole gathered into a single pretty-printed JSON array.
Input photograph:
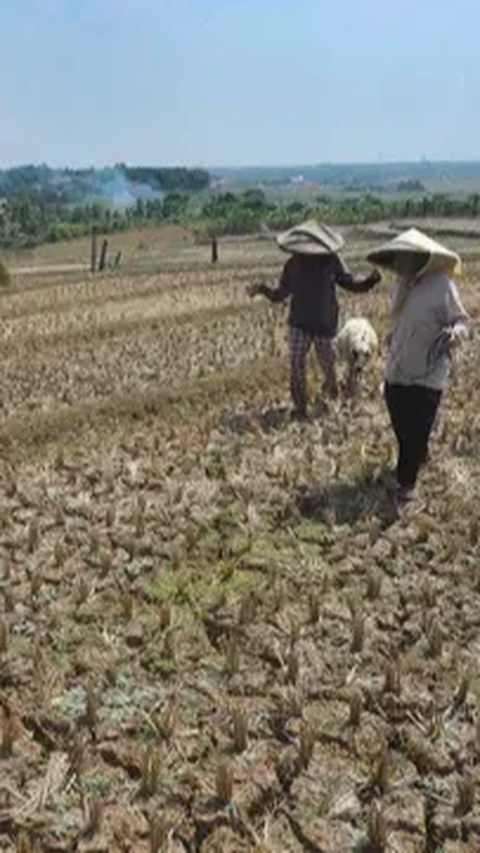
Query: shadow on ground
[
  {"x": 347, "y": 503},
  {"x": 267, "y": 420}
]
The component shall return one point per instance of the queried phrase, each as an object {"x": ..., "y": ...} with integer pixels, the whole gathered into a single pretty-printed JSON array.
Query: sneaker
[
  {"x": 404, "y": 495},
  {"x": 406, "y": 500},
  {"x": 399, "y": 495}
]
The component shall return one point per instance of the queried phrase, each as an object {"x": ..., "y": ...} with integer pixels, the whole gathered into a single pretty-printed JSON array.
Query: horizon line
[{"x": 248, "y": 166}]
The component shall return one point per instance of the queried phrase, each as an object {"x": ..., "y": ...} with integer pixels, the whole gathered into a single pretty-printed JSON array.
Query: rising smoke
[{"x": 112, "y": 187}]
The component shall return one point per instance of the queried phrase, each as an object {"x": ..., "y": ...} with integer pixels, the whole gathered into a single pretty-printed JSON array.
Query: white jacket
[{"x": 417, "y": 353}]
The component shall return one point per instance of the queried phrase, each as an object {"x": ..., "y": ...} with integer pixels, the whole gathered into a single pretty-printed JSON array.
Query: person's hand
[
  {"x": 458, "y": 334},
  {"x": 253, "y": 290},
  {"x": 451, "y": 337}
]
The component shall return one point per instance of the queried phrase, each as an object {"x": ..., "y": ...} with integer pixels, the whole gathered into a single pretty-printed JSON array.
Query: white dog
[{"x": 356, "y": 343}]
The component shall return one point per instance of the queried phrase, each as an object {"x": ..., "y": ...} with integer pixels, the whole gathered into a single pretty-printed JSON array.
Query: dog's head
[{"x": 360, "y": 358}]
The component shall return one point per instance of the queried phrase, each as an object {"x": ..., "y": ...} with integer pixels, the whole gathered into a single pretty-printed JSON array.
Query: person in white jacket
[{"x": 428, "y": 321}]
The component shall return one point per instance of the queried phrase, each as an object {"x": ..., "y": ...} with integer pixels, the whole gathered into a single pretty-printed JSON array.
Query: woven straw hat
[
  {"x": 311, "y": 238},
  {"x": 413, "y": 242}
]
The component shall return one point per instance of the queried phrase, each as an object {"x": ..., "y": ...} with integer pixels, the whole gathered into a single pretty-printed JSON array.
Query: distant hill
[
  {"x": 446, "y": 176},
  {"x": 121, "y": 186}
]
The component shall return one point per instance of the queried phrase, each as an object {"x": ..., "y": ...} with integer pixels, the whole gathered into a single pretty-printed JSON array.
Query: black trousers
[{"x": 412, "y": 410}]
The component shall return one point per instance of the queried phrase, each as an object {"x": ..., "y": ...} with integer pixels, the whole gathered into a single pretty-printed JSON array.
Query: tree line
[
  {"x": 73, "y": 186},
  {"x": 250, "y": 211},
  {"x": 27, "y": 220}
]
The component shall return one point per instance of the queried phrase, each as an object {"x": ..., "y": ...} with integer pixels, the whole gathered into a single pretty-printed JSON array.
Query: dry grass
[{"x": 214, "y": 633}]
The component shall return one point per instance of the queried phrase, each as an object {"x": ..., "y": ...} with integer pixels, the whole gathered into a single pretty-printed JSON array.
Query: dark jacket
[{"x": 310, "y": 281}]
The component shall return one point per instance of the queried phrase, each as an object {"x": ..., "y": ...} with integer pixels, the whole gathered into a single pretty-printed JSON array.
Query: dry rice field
[{"x": 215, "y": 634}]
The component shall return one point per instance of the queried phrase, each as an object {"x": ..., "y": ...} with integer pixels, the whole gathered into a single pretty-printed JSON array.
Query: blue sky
[{"x": 238, "y": 82}]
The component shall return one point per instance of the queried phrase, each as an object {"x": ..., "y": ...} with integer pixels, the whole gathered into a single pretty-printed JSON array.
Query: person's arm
[
  {"x": 392, "y": 297},
  {"x": 273, "y": 294},
  {"x": 355, "y": 284},
  {"x": 457, "y": 319}
]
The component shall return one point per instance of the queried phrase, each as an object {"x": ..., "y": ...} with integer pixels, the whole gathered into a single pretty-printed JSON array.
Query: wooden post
[
  {"x": 214, "y": 250},
  {"x": 103, "y": 256},
  {"x": 93, "y": 256}
]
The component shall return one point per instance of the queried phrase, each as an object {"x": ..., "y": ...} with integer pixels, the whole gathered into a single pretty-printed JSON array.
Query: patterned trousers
[{"x": 300, "y": 343}]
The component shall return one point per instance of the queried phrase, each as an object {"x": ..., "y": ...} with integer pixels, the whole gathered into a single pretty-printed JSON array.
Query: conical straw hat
[
  {"x": 438, "y": 258},
  {"x": 311, "y": 238}
]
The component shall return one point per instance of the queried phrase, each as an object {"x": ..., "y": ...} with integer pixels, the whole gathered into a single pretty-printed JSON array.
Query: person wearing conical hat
[
  {"x": 428, "y": 321},
  {"x": 309, "y": 279}
]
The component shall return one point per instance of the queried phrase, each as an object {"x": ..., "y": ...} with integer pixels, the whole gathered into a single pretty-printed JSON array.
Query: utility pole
[
  {"x": 103, "y": 256},
  {"x": 93, "y": 254},
  {"x": 214, "y": 250}
]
